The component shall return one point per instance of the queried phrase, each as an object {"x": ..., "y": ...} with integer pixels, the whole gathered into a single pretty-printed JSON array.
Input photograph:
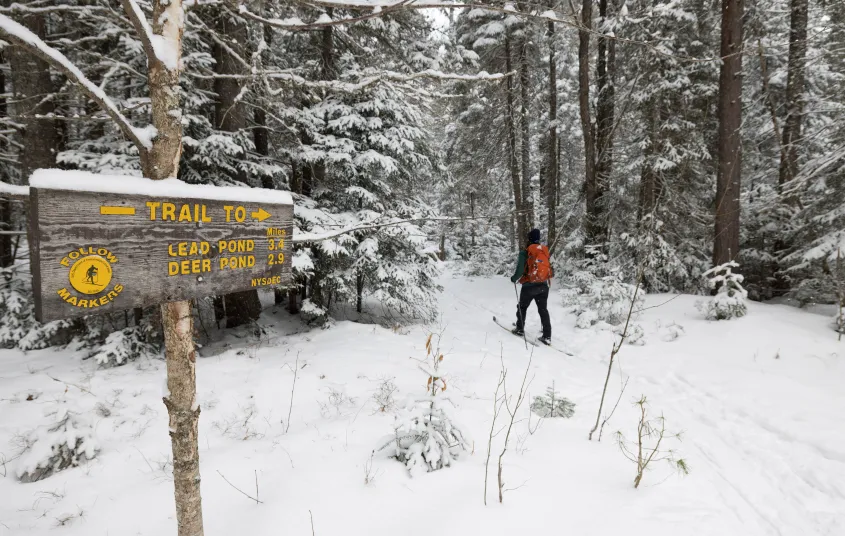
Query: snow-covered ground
[{"x": 760, "y": 401}]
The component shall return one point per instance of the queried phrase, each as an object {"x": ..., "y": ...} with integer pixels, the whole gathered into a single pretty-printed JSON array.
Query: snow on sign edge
[{"x": 83, "y": 181}]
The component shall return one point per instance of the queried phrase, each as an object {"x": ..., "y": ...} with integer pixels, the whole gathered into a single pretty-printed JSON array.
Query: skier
[
  {"x": 534, "y": 271},
  {"x": 90, "y": 274}
]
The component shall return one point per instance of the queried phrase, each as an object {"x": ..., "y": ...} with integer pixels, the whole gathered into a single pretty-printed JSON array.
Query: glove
[{"x": 513, "y": 279}]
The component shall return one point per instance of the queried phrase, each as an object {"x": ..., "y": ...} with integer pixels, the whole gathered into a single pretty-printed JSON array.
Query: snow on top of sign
[
  {"x": 13, "y": 190},
  {"x": 83, "y": 181}
]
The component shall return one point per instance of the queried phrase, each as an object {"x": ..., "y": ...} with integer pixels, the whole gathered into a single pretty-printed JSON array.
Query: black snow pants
[{"x": 537, "y": 292}]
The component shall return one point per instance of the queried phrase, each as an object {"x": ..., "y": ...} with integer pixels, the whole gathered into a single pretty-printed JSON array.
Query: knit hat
[{"x": 534, "y": 236}]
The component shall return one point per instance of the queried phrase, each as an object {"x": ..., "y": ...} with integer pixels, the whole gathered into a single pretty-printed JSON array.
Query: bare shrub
[
  {"x": 336, "y": 403},
  {"x": 649, "y": 446},
  {"x": 383, "y": 397},
  {"x": 240, "y": 425}
]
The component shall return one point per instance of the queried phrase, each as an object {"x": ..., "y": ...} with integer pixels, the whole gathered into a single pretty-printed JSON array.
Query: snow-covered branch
[
  {"x": 21, "y": 8},
  {"x": 142, "y": 27},
  {"x": 380, "y": 8},
  {"x": 156, "y": 47},
  {"x": 370, "y": 225},
  {"x": 24, "y": 38},
  {"x": 354, "y": 87},
  {"x": 324, "y": 21}
]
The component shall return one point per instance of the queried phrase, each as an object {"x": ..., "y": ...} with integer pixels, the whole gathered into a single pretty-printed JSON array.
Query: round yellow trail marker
[{"x": 90, "y": 275}]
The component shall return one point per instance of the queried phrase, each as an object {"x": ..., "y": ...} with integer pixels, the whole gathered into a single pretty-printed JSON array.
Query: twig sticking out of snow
[
  {"x": 497, "y": 407},
  {"x": 292, "y": 390},
  {"x": 609, "y": 415},
  {"x": 616, "y": 347},
  {"x": 520, "y": 397},
  {"x": 243, "y": 492}
]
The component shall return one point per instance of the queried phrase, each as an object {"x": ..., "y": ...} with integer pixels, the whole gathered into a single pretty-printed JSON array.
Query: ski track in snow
[{"x": 759, "y": 399}]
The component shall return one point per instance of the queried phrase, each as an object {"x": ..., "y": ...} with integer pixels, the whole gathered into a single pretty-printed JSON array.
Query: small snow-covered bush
[
  {"x": 425, "y": 438},
  {"x": 127, "y": 345},
  {"x": 839, "y": 321},
  {"x": 312, "y": 313},
  {"x": 552, "y": 405},
  {"x": 670, "y": 332},
  {"x": 601, "y": 299},
  {"x": 16, "y": 313},
  {"x": 55, "y": 333},
  {"x": 635, "y": 335},
  {"x": 730, "y": 298},
  {"x": 18, "y": 327},
  {"x": 51, "y": 448}
]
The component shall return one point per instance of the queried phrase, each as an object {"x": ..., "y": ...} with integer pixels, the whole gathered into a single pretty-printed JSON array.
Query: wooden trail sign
[{"x": 109, "y": 243}]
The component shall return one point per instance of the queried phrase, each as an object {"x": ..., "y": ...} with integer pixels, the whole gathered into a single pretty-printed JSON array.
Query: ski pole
[{"x": 519, "y": 315}]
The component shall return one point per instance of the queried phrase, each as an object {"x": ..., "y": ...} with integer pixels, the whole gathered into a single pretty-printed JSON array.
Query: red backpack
[{"x": 538, "y": 269}]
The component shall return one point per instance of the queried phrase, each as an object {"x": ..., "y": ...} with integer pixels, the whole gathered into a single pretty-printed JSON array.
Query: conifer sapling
[
  {"x": 425, "y": 438},
  {"x": 729, "y": 301}
]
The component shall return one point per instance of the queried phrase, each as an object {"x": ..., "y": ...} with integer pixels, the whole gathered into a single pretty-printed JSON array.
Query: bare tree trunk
[
  {"x": 795, "y": 97},
  {"x": 327, "y": 57},
  {"x": 512, "y": 163},
  {"x": 161, "y": 162},
  {"x": 31, "y": 107},
  {"x": 230, "y": 116},
  {"x": 32, "y": 83},
  {"x": 177, "y": 321},
  {"x": 587, "y": 129},
  {"x": 553, "y": 165},
  {"x": 726, "y": 243},
  {"x": 359, "y": 292},
  {"x": 649, "y": 180},
  {"x": 6, "y": 213},
  {"x": 525, "y": 146},
  {"x": 184, "y": 414},
  {"x": 605, "y": 71},
  {"x": 293, "y": 306},
  {"x": 261, "y": 138}
]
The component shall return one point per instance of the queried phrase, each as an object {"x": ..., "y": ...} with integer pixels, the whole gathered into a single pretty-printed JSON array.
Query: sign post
[{"x": 108, "y": 243}]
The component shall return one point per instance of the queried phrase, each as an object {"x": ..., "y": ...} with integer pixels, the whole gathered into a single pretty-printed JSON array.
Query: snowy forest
[{"x": 684, "y": 161}]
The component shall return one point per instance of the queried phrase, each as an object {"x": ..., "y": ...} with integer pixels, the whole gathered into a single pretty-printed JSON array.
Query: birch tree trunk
[
  {"x": 726, "y": 242},
  {"x": 161, "y": 161}
]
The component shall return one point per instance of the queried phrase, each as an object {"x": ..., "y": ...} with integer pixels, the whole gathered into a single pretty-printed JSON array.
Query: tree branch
[
  {"x": 142, "y": 27},
  {"x": 22, "y": 37}
]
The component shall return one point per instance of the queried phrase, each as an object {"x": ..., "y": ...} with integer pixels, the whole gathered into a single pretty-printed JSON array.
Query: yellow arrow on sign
[
  {"x": 260, "y": 214},
  {"x": 117, "y": 211}
]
